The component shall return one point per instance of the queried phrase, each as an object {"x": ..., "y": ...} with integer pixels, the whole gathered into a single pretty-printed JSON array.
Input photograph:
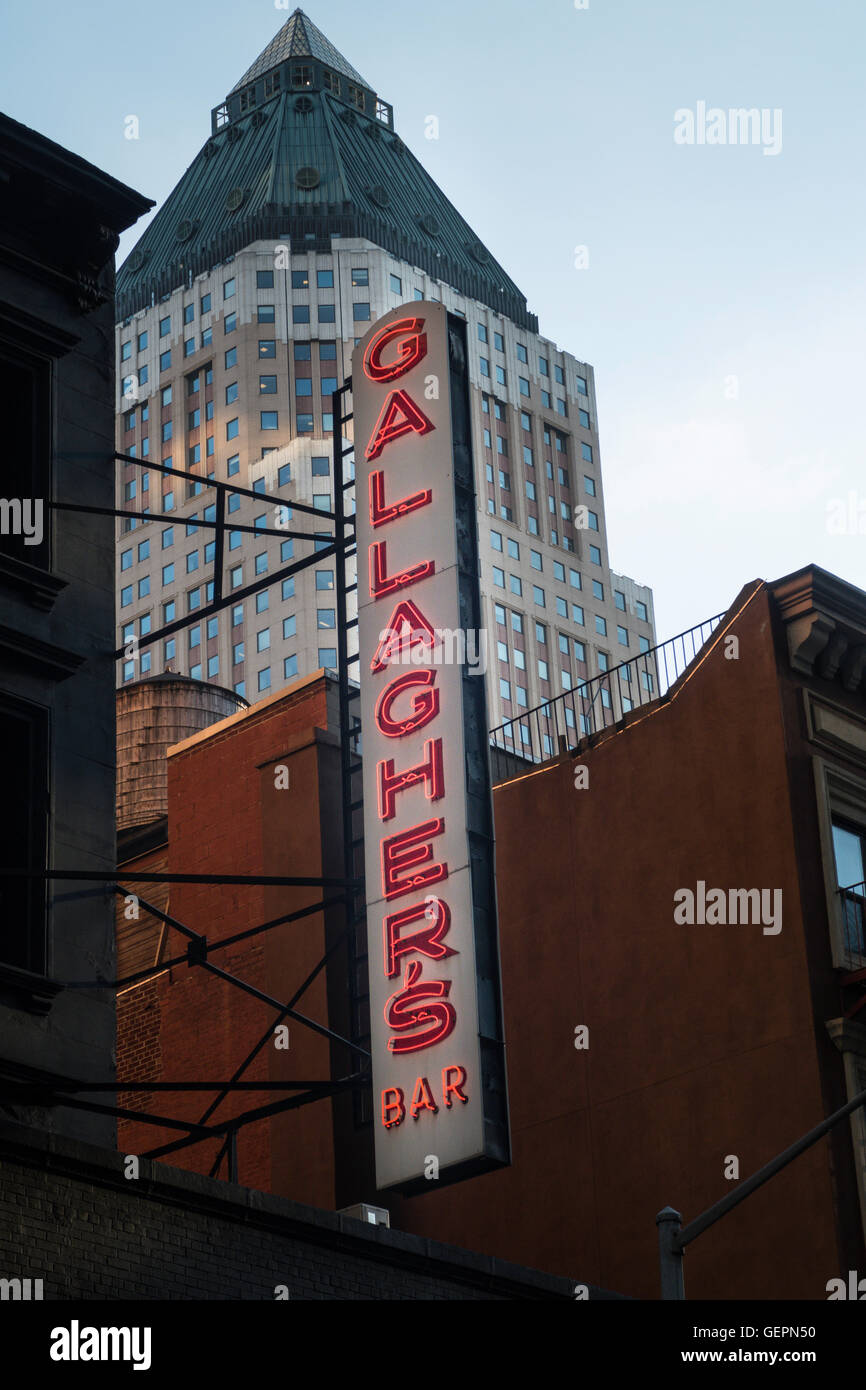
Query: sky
[{"x": 717, "y": 287}]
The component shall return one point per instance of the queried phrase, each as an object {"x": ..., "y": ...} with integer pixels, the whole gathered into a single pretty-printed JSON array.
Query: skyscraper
[{"x": 304, "y": 217}]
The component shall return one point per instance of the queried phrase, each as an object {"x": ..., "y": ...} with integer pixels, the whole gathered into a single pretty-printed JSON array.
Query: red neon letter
[
  {"x": 422, "y": 1098},
  {"x": 453, "y": 1087},
  {"x": 380, "y": 513},
  {"x": 402, "y": 1011},
  {"x": 393, "y": 1109},
  {"x": 403, "y": 851},
  {"x": 428, "y": 771},
  {"x": 399, "y": 415},
  {"x": 412, "y": 349},
  {"x": 406, "y": 614},
  {"x": 382, "y": 583},
  {"x": 427, "y": 940},
  {"x": 425, "y": 706}
]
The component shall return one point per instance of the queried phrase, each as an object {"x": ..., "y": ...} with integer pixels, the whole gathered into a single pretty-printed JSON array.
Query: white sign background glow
[{"x": 428, "y": 1072}]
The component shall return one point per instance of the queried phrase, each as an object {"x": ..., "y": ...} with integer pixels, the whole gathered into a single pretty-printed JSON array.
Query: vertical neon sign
[{"x": 438, "y": 1061}]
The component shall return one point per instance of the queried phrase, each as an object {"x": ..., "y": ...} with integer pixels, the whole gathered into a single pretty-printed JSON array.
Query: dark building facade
[
  {"x": 59, "y": 229},
  {"x": 660, "y": 1047}
]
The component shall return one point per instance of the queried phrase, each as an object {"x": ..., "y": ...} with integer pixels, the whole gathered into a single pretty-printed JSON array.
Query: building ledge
[
  {"x": 20, "y": 649},
  {"x": 37, "y": 586},
  {"x": 35, "y": 993}
]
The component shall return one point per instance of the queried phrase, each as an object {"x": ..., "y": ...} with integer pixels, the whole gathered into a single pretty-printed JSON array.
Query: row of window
[
  {"x": 320, "y": 467},
  {"x": 324, "y": 583},
  {"x": 264, "y": 281},
  {"x": 265, "y": 313},
  {"x": 523, "y": 356},
  {"x": 326, "y": 656},
  {"x": 322, "y": 540}
]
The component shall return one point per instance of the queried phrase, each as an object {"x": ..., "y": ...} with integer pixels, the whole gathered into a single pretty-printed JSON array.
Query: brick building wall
[
  {"x": 227, "y": 816},
  {"x": 68, "y": 1216}
]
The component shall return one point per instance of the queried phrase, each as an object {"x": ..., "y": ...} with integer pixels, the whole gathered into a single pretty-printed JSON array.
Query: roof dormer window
[{"x": 302, "y": 75}]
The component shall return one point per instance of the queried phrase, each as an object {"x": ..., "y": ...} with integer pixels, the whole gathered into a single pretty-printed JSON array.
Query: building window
[
  {"x": 269, "y": 419},
  {"x": 23, "y": 902},
  {"x": 264, "y": 679},
  {"x": 360, "y": 309},
  {"x": 498, "y": 577},
  {"x": 360, "y": 276},
  {"x": 230, "y": 323},
  {"x": 229, "y": 289},
  {"x": 601, "y": 626},
  {"x": 581, "y": 385},
  {"x": 328, "y": 657},
  {"x": 264, "y": 279},
  {"x": 641, "y": 610}
]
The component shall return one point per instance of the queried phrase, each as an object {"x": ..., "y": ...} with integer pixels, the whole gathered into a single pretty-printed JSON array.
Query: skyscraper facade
[{"x": 303, "y": 218}]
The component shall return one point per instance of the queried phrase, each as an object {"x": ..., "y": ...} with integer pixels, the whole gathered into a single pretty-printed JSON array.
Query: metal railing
[
  {"x": 596, "y": 704},
  {"x": 854, "y": 918}
]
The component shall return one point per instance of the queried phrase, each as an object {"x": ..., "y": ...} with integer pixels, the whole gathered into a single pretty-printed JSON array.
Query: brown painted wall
[{"x": 702, "y": 1042}]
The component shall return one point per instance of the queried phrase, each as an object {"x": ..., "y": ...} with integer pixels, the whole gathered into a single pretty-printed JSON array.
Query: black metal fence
[
  {"x": 854, "y": 918},
  {"x": 594, "y": 704}
]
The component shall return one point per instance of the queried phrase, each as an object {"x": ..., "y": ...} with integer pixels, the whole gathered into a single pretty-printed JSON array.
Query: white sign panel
[{"x": 428, "y": 1103}]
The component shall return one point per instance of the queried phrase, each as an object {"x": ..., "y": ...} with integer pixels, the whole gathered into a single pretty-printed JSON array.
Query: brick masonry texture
[{"x": 69, "y": 1217}]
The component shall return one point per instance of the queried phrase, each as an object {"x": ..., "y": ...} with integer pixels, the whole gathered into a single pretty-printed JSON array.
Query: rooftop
[{"x": 303, "y": 149}]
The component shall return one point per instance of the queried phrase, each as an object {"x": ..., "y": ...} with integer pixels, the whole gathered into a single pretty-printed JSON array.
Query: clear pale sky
[{"x": 556, "y": 130}]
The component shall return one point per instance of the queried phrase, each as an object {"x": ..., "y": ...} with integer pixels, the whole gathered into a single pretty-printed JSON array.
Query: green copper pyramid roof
[
  {"x": 296, "y": 154},
  {"x": 299, "y": 38}
]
